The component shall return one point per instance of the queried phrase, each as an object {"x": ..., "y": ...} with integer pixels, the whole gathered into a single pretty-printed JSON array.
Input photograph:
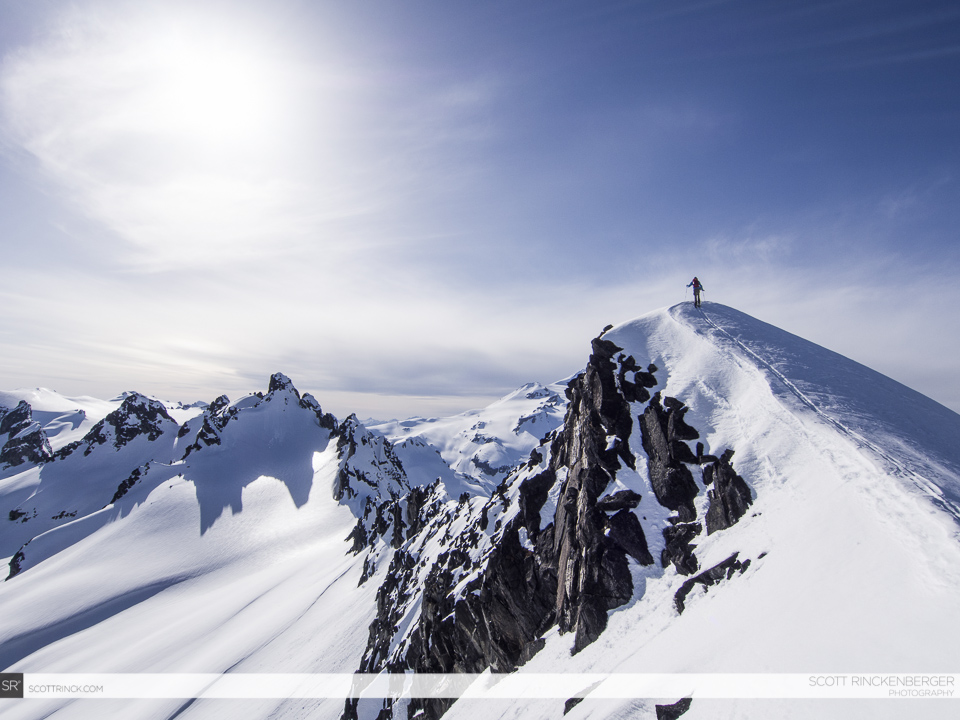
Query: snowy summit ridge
[{"x": 709, "y": 494}]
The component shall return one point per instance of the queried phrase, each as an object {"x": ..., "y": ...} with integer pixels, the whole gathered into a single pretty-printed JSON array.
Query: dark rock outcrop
[
  {"x": 481, "y": 596},
  {"x": 26, "y": 442},
  {"x": 625, "y": 532},
  {"x": 636, "y": 390},
  {"x": 280, "y": 382},
  {"x": 124, "y": 487},
  {"x": 672, "y": 712},
  {"x": 571, "y": 704},
  {"x": 15, "y": 420},
  {"x": 729, "y": 496},
  {"x": 15, "y": 564},
  {"x": 679, "y": 548},
  {"x": 618, "y": 501},
  {"x": 663, "y": 432},
  {"x": 212, "y": 422},
  {"x": 592, "y": 571},
  {"x": 324, "y": 420},
  {"x": 721, "y": 571},
  {"x": 533, "y": 495},
  {"x": 489, "y": 608},
  {"x": 137, "y": 416}
]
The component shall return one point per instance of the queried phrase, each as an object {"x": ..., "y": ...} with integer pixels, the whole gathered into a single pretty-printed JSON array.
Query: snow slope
[
  {"x": 852, "y": 536},
  {"x": 233, "y": 558}
]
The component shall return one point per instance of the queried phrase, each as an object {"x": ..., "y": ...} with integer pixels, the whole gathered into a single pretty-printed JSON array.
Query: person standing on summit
[{"x": 697, "y": 287}]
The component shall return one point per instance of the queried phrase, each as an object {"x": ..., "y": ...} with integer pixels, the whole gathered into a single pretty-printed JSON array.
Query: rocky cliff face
[{"x": 474, "y": 584}]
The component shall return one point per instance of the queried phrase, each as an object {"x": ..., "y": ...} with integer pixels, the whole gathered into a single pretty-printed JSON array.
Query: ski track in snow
[{"x": 893, "y": 464}]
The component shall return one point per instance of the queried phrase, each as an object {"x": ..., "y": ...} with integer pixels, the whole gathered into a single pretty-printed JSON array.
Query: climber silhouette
[{"x": 697, "y": 289}]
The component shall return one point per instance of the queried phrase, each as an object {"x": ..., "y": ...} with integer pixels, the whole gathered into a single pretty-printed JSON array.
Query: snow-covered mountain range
[{"x": 710, "y": 494}]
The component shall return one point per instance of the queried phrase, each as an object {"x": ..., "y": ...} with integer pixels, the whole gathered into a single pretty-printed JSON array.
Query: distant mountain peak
[{"x": 281, "y": 383}]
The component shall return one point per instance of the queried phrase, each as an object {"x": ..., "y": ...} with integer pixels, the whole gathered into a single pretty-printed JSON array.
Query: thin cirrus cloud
[{"x": 194, "y": 139}]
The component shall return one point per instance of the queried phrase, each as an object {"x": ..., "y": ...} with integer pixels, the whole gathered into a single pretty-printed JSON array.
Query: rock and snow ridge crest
[{"x": 485, "y": 579}]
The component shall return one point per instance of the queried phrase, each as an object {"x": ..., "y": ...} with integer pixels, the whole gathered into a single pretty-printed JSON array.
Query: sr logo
[{"x": 11, "y": 685}]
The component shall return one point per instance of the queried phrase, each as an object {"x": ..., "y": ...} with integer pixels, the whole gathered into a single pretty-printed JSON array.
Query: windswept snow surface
[{"x": 855, "y": 481}]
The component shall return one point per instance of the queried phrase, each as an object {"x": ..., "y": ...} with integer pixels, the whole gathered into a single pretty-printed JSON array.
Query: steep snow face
[
  {"x": 852, "y": 533},
  {"x": 483, "y": 446}
]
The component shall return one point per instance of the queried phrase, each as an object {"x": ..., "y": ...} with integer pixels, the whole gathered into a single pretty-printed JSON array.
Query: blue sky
[{"x": 414, "y": 207}]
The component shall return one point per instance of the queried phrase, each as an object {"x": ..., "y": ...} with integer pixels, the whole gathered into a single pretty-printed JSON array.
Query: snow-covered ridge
[{"x": 913, "y": 436}]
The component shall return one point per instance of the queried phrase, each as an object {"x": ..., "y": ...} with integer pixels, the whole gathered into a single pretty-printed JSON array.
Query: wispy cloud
[
  {"x": 201, "y": 140},
  {"x": 155, "y": 128},
  {"x": 752, "y": 245}
]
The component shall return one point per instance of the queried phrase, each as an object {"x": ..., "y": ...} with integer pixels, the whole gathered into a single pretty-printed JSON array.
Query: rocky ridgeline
[
  {"x": 135, "y": 437},
  {"x": 371, "y": 480},
  {"x": 138, "y": 416},
  {"x": 207, "y": 429},
  {"x": 475, "y": 583}
]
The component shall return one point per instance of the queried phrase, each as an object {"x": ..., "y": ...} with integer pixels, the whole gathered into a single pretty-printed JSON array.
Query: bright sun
[
  {"x": 212, "y": 91},
  {"x": 181, "y": 130},
  {"x": 189, "y": 79}
]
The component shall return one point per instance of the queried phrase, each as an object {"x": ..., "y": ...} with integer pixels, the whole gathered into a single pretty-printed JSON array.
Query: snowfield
[{"x": 235, "y": 557}]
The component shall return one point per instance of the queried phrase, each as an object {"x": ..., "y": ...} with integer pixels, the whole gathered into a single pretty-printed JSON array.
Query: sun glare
[
  {"x": 208, "y": 89},
  {"x": 182, "y": 131},
  {"x": 214, "y": 92}
]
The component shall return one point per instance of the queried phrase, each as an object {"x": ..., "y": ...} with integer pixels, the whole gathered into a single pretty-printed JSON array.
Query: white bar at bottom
[{"x": 493, "y": 686}]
